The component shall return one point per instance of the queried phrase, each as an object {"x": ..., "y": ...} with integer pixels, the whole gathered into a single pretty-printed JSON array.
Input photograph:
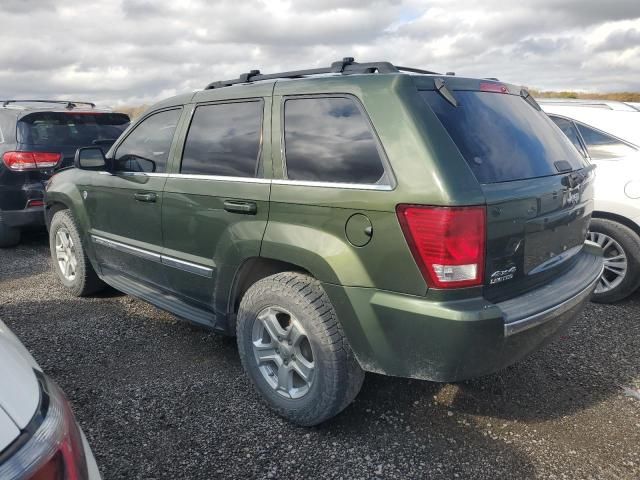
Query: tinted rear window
[
  {"x": 71, "y": 129},
  {"x": 502, "y": 137},
  {"x": 329, "y": 140}
]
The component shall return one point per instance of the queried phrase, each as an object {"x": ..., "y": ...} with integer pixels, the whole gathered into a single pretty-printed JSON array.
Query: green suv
[{"x": 360, "y": 217}]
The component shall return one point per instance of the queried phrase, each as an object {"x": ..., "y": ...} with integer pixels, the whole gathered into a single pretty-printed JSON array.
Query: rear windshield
[
  {"x": 502, "y": 137},
  {"x": 71, "y": 129}
]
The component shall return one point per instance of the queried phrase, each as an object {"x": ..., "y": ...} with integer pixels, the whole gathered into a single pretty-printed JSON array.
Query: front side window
[
  {"x": 570, "y": 130},
  {"x": 146, "y": 149},
  {"x": 224, "y": 139},
  {"x": 602, "y": 146},
  {"x": 330, "y": 140}
]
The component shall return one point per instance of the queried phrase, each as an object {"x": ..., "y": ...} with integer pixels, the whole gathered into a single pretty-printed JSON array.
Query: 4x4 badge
[{"x": 502, "y": 275}]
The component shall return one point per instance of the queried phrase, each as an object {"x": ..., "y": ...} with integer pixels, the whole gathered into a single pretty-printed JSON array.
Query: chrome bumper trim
[{"x": 518, "y": 326}]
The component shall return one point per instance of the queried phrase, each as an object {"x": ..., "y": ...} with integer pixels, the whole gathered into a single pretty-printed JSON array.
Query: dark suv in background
[
  {"x": 38, "y": 137},
  {"x": 360, "y": 217}
]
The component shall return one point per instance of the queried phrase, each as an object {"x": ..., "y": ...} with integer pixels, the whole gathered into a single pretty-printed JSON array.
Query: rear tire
[
  {"x": 621, "y": 244},
  {"x": 69, "y": 259},
  {"x": 308, "y": 372},
  {"x": 9, "y": 236}
]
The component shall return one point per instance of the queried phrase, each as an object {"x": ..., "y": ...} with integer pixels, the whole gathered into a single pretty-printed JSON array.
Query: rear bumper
[
  {"x": 410, "y": 336},
  {"x": 29, "y": 217}
]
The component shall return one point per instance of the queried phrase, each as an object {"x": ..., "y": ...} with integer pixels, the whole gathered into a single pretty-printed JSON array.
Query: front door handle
[
  {"x": 237, "y": 206},
  {"x": 149, "y": 197}
]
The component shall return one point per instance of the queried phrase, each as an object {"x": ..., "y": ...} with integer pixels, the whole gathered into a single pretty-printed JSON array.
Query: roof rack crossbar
[
  {"x": 69, "y": 103},
  {"x": 345, "y": 66}
]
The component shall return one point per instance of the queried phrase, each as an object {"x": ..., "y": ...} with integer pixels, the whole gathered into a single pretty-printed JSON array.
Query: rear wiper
[
  {"x": 524, "y": 93},
  {"x": 445, "y": 92}
]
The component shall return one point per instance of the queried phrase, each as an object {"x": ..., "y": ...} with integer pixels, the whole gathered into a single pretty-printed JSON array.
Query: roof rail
[
  {"x": 346, "y": 66},
  {"x": 69, "y": 103}
]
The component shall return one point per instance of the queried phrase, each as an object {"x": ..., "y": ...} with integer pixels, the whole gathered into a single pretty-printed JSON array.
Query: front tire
[
  {"x": 294, "y": 350},
  {"x": 621, "y": 248},
  {"x": 69, "y": 259}
]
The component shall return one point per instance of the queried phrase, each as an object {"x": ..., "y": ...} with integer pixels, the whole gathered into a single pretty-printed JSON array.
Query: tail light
[
  {"x": 55, "y": 450},
  {"x": 448, "y": 243},
  {"x": 21, "y": 161}
]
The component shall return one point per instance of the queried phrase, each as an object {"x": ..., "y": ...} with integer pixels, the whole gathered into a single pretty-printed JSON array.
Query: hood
[{"x": 19, "y": 389}]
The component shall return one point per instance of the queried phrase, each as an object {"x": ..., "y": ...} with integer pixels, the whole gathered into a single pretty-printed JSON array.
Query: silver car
[{"x": 39, "y": 436}]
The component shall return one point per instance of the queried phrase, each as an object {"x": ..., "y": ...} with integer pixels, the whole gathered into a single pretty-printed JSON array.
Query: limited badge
[{"x": 502, "y": 275}]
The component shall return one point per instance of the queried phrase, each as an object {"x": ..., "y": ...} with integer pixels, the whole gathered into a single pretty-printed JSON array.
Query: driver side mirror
[{"x": 90, "y": 158}]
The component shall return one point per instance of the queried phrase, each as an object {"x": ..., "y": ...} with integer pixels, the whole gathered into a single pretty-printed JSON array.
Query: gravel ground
[{"x": 158, "y": 398}]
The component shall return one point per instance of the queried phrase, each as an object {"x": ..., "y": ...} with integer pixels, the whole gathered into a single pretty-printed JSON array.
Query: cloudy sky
[{"x": 138, "y": 51}]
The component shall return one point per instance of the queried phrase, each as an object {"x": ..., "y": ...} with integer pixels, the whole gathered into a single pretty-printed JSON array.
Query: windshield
[
  {"x": 71, "y": 129},
  {"x": 502, "y": 137}
]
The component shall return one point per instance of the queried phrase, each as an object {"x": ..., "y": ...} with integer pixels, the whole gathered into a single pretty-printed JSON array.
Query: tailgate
[
  {"x": 538, "y": 188},
  {"x": 534, "y": 229}
]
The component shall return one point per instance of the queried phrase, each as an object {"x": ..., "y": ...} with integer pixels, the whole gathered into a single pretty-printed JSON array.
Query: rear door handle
[
  {"x": 237, "y": 206},
  {"x": 149, "y": 197}
]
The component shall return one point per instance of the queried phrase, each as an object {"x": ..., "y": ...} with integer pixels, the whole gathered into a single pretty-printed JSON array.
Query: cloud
[
  {"x": 620, "y": 40},
  {"x": 136, "y": 51}
]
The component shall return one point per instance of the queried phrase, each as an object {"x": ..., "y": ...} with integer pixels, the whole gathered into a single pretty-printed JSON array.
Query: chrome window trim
[
  {"x": 183, "y": 265},
  {"x": 353, "y": 186},
  {"x": 219, "y": 178},
  {"x": 133, "y": 174},
  {"x": 384, "y": 187}
]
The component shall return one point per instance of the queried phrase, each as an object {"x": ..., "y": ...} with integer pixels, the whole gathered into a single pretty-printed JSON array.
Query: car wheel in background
[
  {"x": 294, "y": 350},
  {"x": 621, "y": 249},
  {"x": 69, "y": 258},
  {"x": 9, "y": 236}
]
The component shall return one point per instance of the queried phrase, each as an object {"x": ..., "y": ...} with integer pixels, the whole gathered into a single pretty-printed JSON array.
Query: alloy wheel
[
  {"x": 615, "y": 262},
  {"x": 66, "y": 254},
  {"x": 283, "y": 352}
]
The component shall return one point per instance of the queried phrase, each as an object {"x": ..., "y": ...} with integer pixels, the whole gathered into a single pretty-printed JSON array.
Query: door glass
[
  {"x": 602, "y": 146},
  {"x": 224, "y": 139},
  {"x": 329, "y": 140},
  {"x": 146, "y": 149},
  {"x": 569, "y": 129}
]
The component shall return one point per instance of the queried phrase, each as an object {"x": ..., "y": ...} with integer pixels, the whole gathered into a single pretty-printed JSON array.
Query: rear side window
[
  {"x": 71, "y": 128},
  {"x": 570, "y": 130},
  {"x": 602, "y": 146},
  {"x": 502, "y": 137},
  {"x": 330, "y": 140},
  {"x": 224, "y": 139},
  {"x": 146, "y": 148}
]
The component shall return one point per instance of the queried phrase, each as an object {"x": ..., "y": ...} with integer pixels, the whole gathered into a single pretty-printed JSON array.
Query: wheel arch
[
  {"x": 252, "y": 270},
  {"x": 51, "y": 209},
  {"x": 617, "y": 218}
]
